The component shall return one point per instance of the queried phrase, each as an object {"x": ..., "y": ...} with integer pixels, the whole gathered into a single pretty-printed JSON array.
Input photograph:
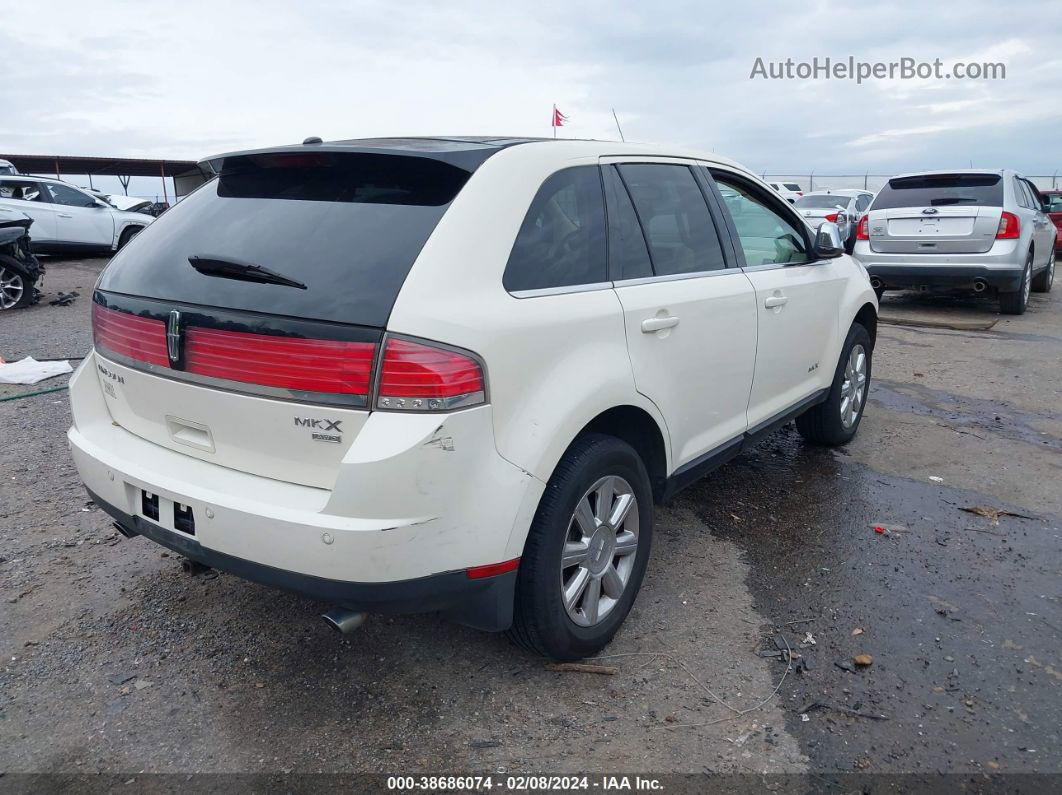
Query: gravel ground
[{"x": 115, "y": 661}]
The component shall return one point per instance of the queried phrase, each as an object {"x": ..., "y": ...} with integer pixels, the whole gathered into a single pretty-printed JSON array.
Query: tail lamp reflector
[
  {"x": 142, "y": 339},
  {"x": 417, "y": 376},
  {"x": 862, "y": 232},
  {"x": 1009, "y": 227},
  {"x": 326, "y": 366}
]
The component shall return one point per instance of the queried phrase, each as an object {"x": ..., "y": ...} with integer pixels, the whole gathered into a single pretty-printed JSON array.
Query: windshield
[
  {"x": 941, "y": 190},
  {"x": 822, "y": 202}
]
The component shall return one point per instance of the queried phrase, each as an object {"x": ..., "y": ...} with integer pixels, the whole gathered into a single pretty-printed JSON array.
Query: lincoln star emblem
[{"x": 173, "y": 337}]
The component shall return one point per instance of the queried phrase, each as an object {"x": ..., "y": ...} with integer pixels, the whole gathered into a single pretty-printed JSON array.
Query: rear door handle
[
  {"x": 649, "y": 325},
  {"x": 775, "y": 300}
]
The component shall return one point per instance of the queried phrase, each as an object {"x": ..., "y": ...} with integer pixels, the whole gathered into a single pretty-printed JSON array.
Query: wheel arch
[
  {"x": 640, "y": 430},
  {"x": 867, "y": 317}
]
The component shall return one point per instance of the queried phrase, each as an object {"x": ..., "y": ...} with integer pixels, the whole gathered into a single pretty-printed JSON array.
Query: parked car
[
  {"x": 843, "y": 207},
  {"x": 7, "y": 167},
  {"x": 19, "y": 269},
  {"x": 409, "y": 375},
  {"x": 68, "y": 219},
  {"x": 1053, "y": 198},
  {"x": 978, "y": 230},
  {"x": 790, "y": 191}
]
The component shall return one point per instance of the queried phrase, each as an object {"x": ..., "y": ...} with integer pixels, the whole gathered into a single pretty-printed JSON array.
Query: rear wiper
[{"x": 241, "y": 271}]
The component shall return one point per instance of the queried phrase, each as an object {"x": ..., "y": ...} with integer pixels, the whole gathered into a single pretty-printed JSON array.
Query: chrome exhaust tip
[
  {"x": 342, "y": 620},
  {"x": 980, "y": 286},
  {"x": 875, "y": 283}
]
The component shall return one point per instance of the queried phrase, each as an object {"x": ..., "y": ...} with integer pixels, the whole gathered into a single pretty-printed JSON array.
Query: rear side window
[
  {"x": 346, "y": 225},
  {"x": 22, "y": 190},
  {"x": 678, "y": 227},
  {"x": 793, "y": 186},
  {"x": 941, "y": 190},
  {"x": 628, "y": 257},
  {"x": 561, "y": 242}
]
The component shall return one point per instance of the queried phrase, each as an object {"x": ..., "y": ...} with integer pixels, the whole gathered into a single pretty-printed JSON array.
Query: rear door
[
  {"x": 937, "y": 214},
  {"x": 80, "y": 218},
  {"x": 690, "y": 320},
  {"x": 31, "y": 198},
  {"x": 1043, "y": 228},
  {"x": 797, "y": 298},
  {"x": 265, "y": 373}
]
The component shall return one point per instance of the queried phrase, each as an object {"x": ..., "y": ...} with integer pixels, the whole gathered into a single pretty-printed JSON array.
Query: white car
[
  {"x": 7, "y": 167},
  {"x": 408, "y": 375},
  {"x": 790, "y": 191},
  {"x": 129, "y": 204},
  {"x": 68, "y": 219},
  {"x": 842, "y": 207}
]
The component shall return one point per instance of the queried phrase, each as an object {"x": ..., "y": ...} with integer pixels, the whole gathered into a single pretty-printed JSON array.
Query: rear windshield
[
  {"x": 941, "y": 190},
  {"x": 792, "y": 186},
  {"x": 347, "y": 226},
  {"x": 821, "y": 202}
]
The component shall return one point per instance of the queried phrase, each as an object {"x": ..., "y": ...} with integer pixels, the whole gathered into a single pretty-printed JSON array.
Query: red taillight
[
  {"x": 832, "y": 217},
  {"x": 142, "y": 339},
  {"x": 418, "y": 376},
  {"x": 324, "y": 366},
  {"x": 862, "y": 232},
  {"x": 1009, "y": 227},
  {"x": 493, "y": 570}
]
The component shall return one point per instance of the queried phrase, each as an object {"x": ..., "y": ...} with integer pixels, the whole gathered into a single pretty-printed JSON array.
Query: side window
[
  {"x": 562, "y": 239},
  {"x": 64, "y": 194},
  {"x": 21, "y": 190},
  {"x": 628, "y": 258},
  {"x": 1034, "y": 195},
  {"x": 863, "y": 202},
  {"x": 767, "y": 237},
  {"x": 674, "y": 215}
]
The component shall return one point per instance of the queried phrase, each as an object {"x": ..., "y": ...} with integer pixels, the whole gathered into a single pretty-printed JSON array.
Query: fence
[{"x": 873, "y": 182}]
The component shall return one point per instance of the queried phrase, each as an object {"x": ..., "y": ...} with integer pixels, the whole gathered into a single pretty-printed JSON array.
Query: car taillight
[
  {"x": 142, "y": 339},
  {"x": 418, "y": 376},
  {"x": 862, "y": 231},
  {"x": 303, "y": 365},
  {"x": 832, "y": 217},
  {"x": 1009, "y": 227}
]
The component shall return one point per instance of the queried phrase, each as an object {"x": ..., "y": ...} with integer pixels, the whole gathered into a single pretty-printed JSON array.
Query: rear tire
[
  {"x": 554, "y": 616},
  {"x": 1016, "y": 303},
  {"x": 1045, "y": 278},
  {"x": 836, "y": 420},
  {"x": 16, "y": 288}
]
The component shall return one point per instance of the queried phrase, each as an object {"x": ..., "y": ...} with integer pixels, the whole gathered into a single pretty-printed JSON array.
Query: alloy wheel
[
  {"x": 853, "y": 389},
  {"x": 599, "y": 550},
  {"x": 12, "y": 288}
]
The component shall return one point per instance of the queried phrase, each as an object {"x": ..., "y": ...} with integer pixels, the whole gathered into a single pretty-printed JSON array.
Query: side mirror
[{"x": 828, "y": 243}]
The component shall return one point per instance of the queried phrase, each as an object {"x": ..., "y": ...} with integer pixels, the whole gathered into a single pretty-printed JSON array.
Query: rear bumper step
[{"x": 485, "y": 604}]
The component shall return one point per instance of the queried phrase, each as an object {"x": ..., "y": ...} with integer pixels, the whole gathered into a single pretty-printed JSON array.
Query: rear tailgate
[
  {"x": 243, "y": 326},
  {"x": 937, "y": 214}
]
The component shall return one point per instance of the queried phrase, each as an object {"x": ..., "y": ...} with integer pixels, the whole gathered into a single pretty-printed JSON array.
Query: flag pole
[
  {"x": 614, "y": 116},
  {"x": 553, "y": 120}
]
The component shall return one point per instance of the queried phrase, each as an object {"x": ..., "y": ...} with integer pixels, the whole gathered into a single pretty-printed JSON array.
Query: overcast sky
[{"x": 189, "y": 79}]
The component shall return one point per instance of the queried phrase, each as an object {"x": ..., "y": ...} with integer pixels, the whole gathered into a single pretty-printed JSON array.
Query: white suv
[
  {"x": 455, "y": 375},
  {"x": 67, "y": 219}
]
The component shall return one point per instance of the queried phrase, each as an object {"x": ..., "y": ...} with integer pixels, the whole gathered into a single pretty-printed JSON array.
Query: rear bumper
[
  {"x": 963, "y": 276},
  {"x": 484, "y": 603},
  {"x": 1001, "y": 267}
]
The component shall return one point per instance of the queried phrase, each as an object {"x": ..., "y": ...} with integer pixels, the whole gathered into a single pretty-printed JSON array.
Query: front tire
[
  {"x": 836, "y": 420},
  {"x": 586, "y": 552},
  {"x": 1016, "y": 303},
  {"x": 1045, "y": 278},
  {"x": 16, "y": 288}
]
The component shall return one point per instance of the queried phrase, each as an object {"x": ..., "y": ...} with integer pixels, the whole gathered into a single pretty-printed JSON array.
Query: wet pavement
[{"x": 115, "y": 661}]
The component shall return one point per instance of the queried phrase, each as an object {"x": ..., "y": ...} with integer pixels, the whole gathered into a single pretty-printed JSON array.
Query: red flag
[{"x": 558, "y": 117}]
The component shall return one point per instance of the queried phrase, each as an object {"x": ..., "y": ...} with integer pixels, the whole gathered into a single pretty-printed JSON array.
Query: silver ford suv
[{"x": 961, "y": 229}]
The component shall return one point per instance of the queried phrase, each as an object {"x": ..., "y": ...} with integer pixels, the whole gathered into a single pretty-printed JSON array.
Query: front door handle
[
  {"x": 652, "y": 324},
  {"x": 64, "y": 215},
  {"x": 775, "y": 300}
]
